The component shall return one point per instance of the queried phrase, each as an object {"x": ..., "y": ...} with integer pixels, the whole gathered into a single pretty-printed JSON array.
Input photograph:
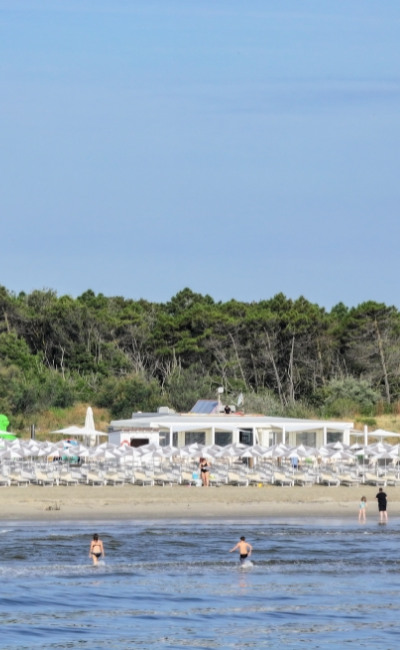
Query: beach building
[{"x": 207, "y": 425}]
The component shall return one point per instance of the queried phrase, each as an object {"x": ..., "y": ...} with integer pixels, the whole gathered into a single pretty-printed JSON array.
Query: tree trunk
[{"x": 383, "y": 361}]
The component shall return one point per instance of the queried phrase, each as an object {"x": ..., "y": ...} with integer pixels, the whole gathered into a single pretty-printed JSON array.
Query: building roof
[{"x": 200, "y": 421}]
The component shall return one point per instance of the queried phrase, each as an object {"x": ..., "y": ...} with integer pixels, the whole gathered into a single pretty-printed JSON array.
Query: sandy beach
[{"x": 36, "y": 503}]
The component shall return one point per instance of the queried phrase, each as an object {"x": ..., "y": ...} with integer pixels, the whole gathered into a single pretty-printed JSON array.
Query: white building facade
[{"x": 168, "y": 428}]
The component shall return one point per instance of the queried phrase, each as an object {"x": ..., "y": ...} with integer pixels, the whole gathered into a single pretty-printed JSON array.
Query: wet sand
[{"x": 36, "y": 503}]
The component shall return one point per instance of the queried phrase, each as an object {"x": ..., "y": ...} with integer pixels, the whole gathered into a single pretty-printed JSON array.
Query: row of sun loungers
[{"x": 236, "y": 475}]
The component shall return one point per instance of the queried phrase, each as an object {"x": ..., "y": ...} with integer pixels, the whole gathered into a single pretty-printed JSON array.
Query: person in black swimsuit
[
  {"x": 96, "y": 550},
  {"x": 204, "y": 472}
]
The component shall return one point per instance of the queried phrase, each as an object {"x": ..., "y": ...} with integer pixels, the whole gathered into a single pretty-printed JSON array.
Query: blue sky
[{"x": 241, "y": 148}]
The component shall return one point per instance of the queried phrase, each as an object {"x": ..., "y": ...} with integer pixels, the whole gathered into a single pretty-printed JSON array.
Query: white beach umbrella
[
  {"x": 279, "y": 450},
  {"x": 230, "y": 451},
  {"x": 107, "y": 453},
  {"x": 11, "y": 454},
  {"x": 86, "y": 432},
  {"x": 89, "y": 419},
  {"x": 182, "y": 453},
  {"x": 254, "y": 451},
  {"x": 72, "y": 431},
  {"x": 48, "y": 450},
  {"x": 336, "y": 445},
  {"x": 382, "y": 433},
  {"x": 169, "y": 451},
  {"x": 106, "y": 445},
  {"x": 193, "y": 449},
  {"x": 129, "y": 454},
  {"x": 21, "y": 448},
  {"x": 356, "y": 446},
  {"x": 341, "y": 454},
  {"x": 379, "y": 448},
  {"x": 396, "y": 448},
  {"x": 209, "y": 451},
  {"x": 151, "y": 447}
]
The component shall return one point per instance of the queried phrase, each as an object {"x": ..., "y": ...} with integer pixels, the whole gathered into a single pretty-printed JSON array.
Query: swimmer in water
[
  {"x": 96, "y": 550},
  {"x": 244, "y": 549}
]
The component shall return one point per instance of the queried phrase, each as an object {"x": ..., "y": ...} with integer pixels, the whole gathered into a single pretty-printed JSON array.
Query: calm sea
[{"x": 173, "y": 584}]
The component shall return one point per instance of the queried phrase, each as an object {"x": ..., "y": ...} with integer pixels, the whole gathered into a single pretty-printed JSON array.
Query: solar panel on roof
[{"x": 205, "y": 406}]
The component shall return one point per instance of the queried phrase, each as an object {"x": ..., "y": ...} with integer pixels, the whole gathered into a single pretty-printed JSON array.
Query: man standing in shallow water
[
  {"x": 382, "y": 506},
  {"x": 244, "y": 549}
]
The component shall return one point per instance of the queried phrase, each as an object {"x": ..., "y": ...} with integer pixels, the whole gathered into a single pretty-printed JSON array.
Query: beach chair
[
  {"x": 238, "y": 478},
  {"x": 283, "y": 479},
  {"x": 114, "y": 478},
  {"x": 218, "y": 477},
  {"x": 187, "y": 477},
  {"x": 95, "y": 478},
  {"x": 128, "y": 476},
  {"x": 349, "y": 479},
  {"x": 43, "y": 478},
  {"x": 168, "y": 477},
  {"x": 392, "y": 480},
  {"x": 141, "y": 477},
  {"x": 304, "y": 479},
  {"x": 258, "y": 478},
  {"x": 4, "y": 481},
  {"x": 20, "y": 478},
  {"x": 67, "y": 478},
  {"x": 329, "y": 479},
  {"x": 373, "y": 479},
  {"x": 70, "y": 477}
]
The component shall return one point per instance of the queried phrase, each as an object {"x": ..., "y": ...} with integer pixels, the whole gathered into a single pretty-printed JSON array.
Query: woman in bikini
[
  {"x": 96, "y": 550},
  {"x": 204, "y": 472}
]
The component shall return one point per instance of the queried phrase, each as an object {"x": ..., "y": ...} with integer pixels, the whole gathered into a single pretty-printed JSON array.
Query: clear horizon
[{"x": 241, "y": 149}]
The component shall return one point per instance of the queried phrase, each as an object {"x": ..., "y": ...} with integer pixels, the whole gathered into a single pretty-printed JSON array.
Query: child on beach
[
  {"x": 96, "y": 550},
  {"x": 362, "y": 513},
  {"x": 244, "y": 549}
]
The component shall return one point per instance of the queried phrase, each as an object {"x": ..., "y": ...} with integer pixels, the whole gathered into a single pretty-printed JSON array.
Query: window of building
[
  {"x": 195, "y": 436},
  {"x": 223, "y": 438},
  {"x": 163, "y": 438},
  {"x": 306, "y": 438},
  {"x": 334, "y": 436},
  {"x": 274, "y": 438},
  {"x": 246, "y": 436}
]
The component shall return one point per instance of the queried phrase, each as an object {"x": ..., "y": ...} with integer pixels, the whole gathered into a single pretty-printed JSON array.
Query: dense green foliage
[{"x": 283, "y": 355}]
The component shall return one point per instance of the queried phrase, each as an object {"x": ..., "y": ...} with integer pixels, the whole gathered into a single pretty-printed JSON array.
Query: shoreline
[{"x": 88, "y": 503}]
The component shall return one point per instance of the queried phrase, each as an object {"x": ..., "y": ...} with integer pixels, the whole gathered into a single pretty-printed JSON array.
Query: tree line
[{"x": 285, "y": 356}]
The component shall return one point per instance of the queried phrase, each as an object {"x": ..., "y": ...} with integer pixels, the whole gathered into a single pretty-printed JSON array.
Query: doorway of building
[{"x": 139, "y": 442}]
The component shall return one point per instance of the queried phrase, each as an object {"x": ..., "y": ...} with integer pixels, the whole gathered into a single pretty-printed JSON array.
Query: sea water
[{"x": 173, "y": 584}]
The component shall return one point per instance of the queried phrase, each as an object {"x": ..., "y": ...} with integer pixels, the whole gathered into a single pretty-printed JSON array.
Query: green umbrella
[
  {"x": 7, "y": 436},
  {"x": 4, "y": 422}
]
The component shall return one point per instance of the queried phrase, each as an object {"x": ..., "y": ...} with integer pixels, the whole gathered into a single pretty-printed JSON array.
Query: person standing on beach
[
  {"x": 382, "y": 506},
  {"x": 96, "y": 550},
  {"x": 244, "y": 549},
  {"x": 204, "y": 472},
  {"x": 362, "y": 513}
]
